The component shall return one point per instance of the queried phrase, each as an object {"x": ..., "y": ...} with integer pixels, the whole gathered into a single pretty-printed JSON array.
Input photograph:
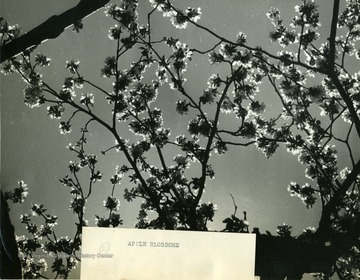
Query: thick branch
[
  {"x": 333, "y": 36},
  {"x": 332, "y": 73},
  {"x": 324, "y": 230},
  {"x": 50, "y": 29},
  {"x": 10, "y": 263}
]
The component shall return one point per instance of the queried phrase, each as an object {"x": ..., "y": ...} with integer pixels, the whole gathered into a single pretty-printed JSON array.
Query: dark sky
[{"x": 34, "y": 151}]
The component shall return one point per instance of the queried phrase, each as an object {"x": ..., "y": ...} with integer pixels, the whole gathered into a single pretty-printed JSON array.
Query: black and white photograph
[{"x": 180, "y": 139}]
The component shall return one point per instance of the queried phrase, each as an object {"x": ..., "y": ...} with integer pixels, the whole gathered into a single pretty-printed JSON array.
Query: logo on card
[{"x": 104, "y": 248}]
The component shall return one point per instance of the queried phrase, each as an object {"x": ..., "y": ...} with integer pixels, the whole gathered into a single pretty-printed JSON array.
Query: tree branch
[
  {"x": 10, "y": 262},
  {"x": 324, "y": 229},
  {"x": 51, "y": 28},
  {"x": 349, "y": 103},
  {"x": 333, "y": 36}
]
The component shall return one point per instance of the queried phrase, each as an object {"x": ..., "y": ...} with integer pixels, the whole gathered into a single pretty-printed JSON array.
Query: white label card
[{"x": 139, "y": 254}]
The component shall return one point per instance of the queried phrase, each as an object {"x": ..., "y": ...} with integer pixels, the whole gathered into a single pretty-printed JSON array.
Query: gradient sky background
[{"x": 34, "y": 151}]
